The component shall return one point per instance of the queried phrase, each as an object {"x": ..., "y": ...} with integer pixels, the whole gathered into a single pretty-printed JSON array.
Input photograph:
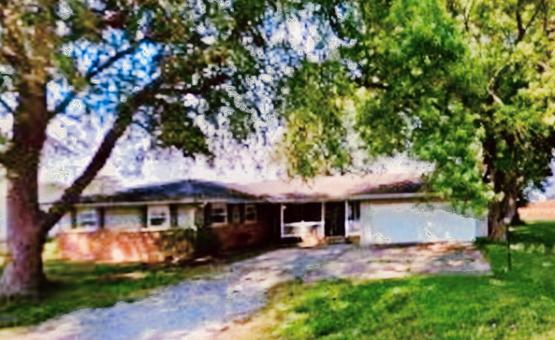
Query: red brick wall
[
  {"x": 117, "y": 246},
  {"x": 148, "y": 246},
  {"x": 237, "y": 236},
  {"x": 151, "y": 246}
]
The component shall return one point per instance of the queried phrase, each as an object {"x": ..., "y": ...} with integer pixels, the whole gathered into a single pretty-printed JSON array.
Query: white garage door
[{"x": 416, "y": 223}]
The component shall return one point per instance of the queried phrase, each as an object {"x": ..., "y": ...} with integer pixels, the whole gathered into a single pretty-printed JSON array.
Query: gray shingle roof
[
  {"x": 320, "y": 188},
  {"x": 196, "y": 190}
]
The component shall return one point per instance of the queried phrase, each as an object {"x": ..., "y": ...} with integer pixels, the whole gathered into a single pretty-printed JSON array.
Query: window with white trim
[
  {"x": 218, "y": 213},
  {"x": 354, "y": 210},
  {"x": 87, "y": 219},
  {"x": 250, "y": 213},
  {"x": 159, "y": 216},
  {"x": 353, "y": 218},
  {"x": 235, "y": 213}
]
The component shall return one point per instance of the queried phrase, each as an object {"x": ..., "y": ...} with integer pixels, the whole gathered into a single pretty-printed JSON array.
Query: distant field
[{"x": 539, "y": 211}]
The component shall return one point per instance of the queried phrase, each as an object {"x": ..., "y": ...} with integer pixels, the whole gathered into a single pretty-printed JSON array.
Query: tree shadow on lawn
[
  {"x": 539, "y": 236},
  {"x": 75, "y": 285}
]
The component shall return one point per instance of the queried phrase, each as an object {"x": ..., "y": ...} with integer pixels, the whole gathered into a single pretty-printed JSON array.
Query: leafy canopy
[
  {"x": 170, "y": 66},
  {"x": 466, "y": 86}
]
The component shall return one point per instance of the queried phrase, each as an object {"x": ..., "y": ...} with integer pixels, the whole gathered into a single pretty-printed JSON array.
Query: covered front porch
[{"x": 320, "y": 220}]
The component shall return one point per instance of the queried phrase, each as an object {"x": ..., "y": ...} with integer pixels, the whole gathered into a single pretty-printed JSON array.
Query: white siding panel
[
  {"x": 186, "y": 216},
  {"x": 123, "y": 218},
  {"x": 482, "y": 227},
  {"x": 415, "y": 223}
]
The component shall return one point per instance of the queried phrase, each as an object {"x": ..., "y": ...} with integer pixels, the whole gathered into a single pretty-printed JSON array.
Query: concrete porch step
[{"x": 335, "y": 239}]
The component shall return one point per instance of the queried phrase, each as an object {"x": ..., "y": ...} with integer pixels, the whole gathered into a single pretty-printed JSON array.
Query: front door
[{"x": 335, "y": 218}]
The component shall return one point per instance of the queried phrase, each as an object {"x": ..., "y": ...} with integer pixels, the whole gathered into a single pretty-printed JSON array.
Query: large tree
[
  {"x": 468, "y": 86},
  {"x": 168, "y": 67}
]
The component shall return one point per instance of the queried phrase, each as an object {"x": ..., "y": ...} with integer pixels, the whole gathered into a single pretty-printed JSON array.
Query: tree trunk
[
  {"x": 520, "y": 203},
  {"x": 496, "y": 226},
  {"x": 500, "y": 215},
  {"x": 23, "y": 274},
  {"x": 27, "y": 224}
]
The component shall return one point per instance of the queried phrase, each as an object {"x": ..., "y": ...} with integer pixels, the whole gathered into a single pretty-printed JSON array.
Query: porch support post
[
  {"x": 281, "y": 225},
  {"x": 347, "y": 226},
  {"x": 323, "y": 221}
]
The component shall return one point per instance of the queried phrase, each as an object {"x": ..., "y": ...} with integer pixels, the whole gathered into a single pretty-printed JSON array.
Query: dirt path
[{"x": 202, "y": 308}]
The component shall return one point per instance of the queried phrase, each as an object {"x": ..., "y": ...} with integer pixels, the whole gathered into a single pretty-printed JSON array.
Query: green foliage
[
  {"x": 185, "y": 243},
  {"x": 467, "y": 86},
  {"x": 516, "y": 304},
  {"x": 177, "y": 244},
  {"x": 197, "y": 59},
  {"x": 316, "y": 135}
]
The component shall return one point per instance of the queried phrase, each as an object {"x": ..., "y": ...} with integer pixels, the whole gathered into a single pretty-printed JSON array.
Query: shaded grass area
[
  {"x": 516, "y": 304},
  {"x": 75, "y": 285},
  {"x": 79, "y": 285}
]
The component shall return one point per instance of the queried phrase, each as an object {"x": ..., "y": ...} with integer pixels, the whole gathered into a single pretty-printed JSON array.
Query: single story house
[{"x": 130, "y": 225}]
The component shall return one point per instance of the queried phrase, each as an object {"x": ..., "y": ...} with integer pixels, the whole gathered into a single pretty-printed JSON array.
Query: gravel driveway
[{"x": 200, "y": 308}]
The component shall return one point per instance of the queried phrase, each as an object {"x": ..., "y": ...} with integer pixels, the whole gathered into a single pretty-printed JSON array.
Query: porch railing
[
  {"x": 302, "y": 228},
  {"x": 352, "y": 228}
]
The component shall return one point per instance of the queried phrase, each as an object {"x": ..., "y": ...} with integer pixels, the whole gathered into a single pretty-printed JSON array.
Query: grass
[
  {"x": 516, "y": 304},
  {"x": 77, "y": 285}
]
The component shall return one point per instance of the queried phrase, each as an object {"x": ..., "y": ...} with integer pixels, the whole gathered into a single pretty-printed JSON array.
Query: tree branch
[
  {"x": 519, "y": 24},
  {"x": 200, "y": 89},
  {"x": 94, "y": 71},
  {"x": 522, "y": 29},
  {"x": 375, "y": 85},
  {"x": 6, "y": 106},
  {"x": 466, "y": 15},
  {"x": 493, "y": 83},
  {"x": 123, "y": 120}
]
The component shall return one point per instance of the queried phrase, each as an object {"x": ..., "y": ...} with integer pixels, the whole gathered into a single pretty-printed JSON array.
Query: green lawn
[
  {"x": 516, "y": 304},
  {"x": 79, "y": 285}
]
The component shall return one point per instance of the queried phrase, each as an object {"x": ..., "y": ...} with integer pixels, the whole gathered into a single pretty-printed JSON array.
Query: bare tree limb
[
  {"x": 6, "y": 106},
  {"x": 523, "y": 28},
  {"x": 123, "y": 120},
  {"x": 540, "y": 6},
  {"x": 519, "y": 25},
  {"x": 467, "y": 11},
  {"x": 199, "y": 89},
  {"x": 493, "y": 83},
  {"x": 94, "y": 71},
  {"x": 495, "y": 97}
]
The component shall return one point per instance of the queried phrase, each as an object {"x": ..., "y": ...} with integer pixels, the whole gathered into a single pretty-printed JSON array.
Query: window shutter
[
  {"x": 144, "y": 216},
  {"x": 207, "y": 214},
  {"x": 173, "y": 215},
  {"x": 230, "y": 213},
  {"x": 73, "y": 216},
  {"x": 101, "y": 217},
  {"x": 242, "y": 212}
]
